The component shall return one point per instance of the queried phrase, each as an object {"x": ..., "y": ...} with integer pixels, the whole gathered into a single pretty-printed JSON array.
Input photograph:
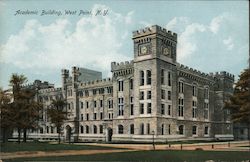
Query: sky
[{"x": 212, "y": 35}]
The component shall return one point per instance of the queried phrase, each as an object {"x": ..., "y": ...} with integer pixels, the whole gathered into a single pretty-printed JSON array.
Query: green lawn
[
  {"x": 151, "y": 156},
  {"x": 44, "y": 146}
]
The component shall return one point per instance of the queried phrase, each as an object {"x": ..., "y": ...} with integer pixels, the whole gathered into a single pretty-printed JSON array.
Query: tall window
[
  {"x": 141, "y": 95},
  {"x": 87, "y": 104},
  {"x": 131, "y": 84},
  {"x": 194, "y": 90},
  {"x": 169, "y": 110},
  {"x": 169, "y": 78},
  {"x": 169, "y": 95},
  {"x": 148, "y": 77},
  {"x": 120, "y": 129},
  {"x": 141, "y": 78},
  {"x": 162, "y": 109},
  {"x": 141, "y": 108},
  {"x": 101, "y": 103},
  {"x": 101, "y": 129},
  {"x": 169, "y": 129},
  {"x": 131, "y": 106},
  {"x": 94, "y": 91},
  {"x": 120, "y": 85},
  {"x": 181, "y": 87},
  {"x": 81, "y": 129},
  {"x": 81, "y": 105},
  {"x": 206, "y": 93},
  {"x": 162, "y": 94},
  {"x": 101, "y": 115},
  {"x": 132, "y": 129},
  {"x": 148, "y": 128},
  {"x": 206, "y": 110},
  {"x": 162, "y": 129},
  {"x": 87, "y": 129},
  {"x": 81, "y": 117},
  {"x": 194, "y": 112},
  {"x": 87, "y": 117},
  {"x": 181, "y": 107},
  {"x": 206, "y": 131},
  {"x": 148, "y": 95},
  {"x": 110, "y": 103},
  {"x": 149, "y": 108},
  {"x": 94, "y": 117},
  {"x": 162, "y": 76},
  {"x": 142, "y": 129},
  {"x": 95, "y": 104},
  {"x": 194, "y": 130},
  {"x": 181, "y": 129},
  {"x": 95, "y": 129},
  {"x": 120, "y": 106}
]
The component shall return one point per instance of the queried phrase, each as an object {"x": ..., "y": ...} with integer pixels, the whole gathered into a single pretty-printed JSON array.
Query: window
[
  {"x": 181, "y": 129},
  {"x": 149, "y": 95},
  {"x": 162, "y": 76},
  {"x": 169, "y": 95},
  {"x": 162, "y": 129},
  {"x": 94, "y": 91},
  {"x": 95, "y": 104},
  {"x": 81, "y": 129},
  {"x": 87, "y": 117},
  {"x": 141, "y": 108},
  {"x": 181, "y": 87},
  {"x": 87, "y": 104},
  {"x": 206, "y": 111},
  {"x": 120, "y": 129},
  {"x": 101, "y": 91},
  {"x": 131, "y": 84},
  {"x": 41, "y": 130},
  {"x": 132, "y": 129},
  {"x": 194, "y": 90},
  {"x": 162, "y": 109},
  {"x": 95, "y": 129},
  {"x": 81, "y": 117},
  {"x": 206, "y": 93},
  {"x": 101, "y": 129},
  {"x": 101, "y": 116},
  {"x": 141, "y": 95},
  {"x": 169, "y": 110},
  {"x": 47, "y": 128},
  {"x": 110, "y": 89},
  {"x": 148, "y": 128},
  {"x": 110, "y": 104},
  {"x": 120, "y": 85},
  {"x": 94, "y": 117},
  {"x": 51, "y": 129},
  {"x": 148, "y": 77},
  {"x": 87, "y": 129},
  {"x": 169, "y": 129},
  {"x": 131, "y": 106},
  {"x": 81, "y": 105},
  {"x": 162, "y": 94},
  {"x": 101, "y": 103},
  {"x": 149, "y": 108},
  {"x": 141, "y": 78},
  {"x": 181, "y": 107},
  {"x": 206, "y": 130},
  {"x": 86, "y": 93},
  {"x": 194, "y": 130},
  {"x": 194, "y": 112},
  {"x": 120, "y": 106},
  {"x": 169, "y": 78},
  {"x": 142, "y": 129}
]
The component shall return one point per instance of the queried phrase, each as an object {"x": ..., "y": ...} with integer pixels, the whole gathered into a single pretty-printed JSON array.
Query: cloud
[
  {"x": 93, "y": 42},
  {"x": 217, "y": 22},
  {"x": 177, "y": 22},
  {"x": 229, "y": 43},
  {"x": 146, "y": 23}
]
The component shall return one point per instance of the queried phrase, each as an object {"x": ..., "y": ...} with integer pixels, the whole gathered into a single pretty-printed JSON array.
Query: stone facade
[{"x": 152, "y": 95}]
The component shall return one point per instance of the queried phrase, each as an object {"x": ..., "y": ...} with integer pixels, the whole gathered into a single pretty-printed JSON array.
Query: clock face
[
  {"x": 167, "y": 51},
  {"x": 144, "y": 50}
]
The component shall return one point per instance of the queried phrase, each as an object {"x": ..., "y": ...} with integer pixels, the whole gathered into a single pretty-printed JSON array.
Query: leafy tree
[{"x": 58, "y": 115}]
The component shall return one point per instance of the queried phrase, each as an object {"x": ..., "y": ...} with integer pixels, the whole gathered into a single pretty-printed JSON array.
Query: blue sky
[{"x": 212, "y": 36}]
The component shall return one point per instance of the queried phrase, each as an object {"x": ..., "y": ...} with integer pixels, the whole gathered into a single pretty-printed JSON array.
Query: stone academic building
[{"x": 152, "y": 95}]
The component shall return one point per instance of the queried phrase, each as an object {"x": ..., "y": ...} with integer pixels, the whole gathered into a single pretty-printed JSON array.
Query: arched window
[
  {"x": 95, "y": 129},
  {"x": 181, "y": 129},
  {"x": 148, "y": 77},
  {"x": 81, "y": 129},
  {"x": 120, "y": 129},
  {"x": 162, "y": 129},
  {"x": 87, "y": 129},
  {"x": 132, "y": 129},
  {"x": 142, "y": 129}
]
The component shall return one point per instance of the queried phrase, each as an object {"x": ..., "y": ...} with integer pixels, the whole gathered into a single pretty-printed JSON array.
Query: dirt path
[{"x": 24, "y": 154}]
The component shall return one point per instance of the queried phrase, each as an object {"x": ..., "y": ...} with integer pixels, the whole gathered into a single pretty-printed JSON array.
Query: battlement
[
  {"x": 122, "y": 65},
  {"x": 50, "y": 90},
  {"x": 96, "y": 82},
  {"x": 75, "y": 69},
  {"x": 65, "y": 72},
  {"x": 224, "y": 74},
  {"x": 154, "y": 29},
  {"x": 194, "y": 71}
]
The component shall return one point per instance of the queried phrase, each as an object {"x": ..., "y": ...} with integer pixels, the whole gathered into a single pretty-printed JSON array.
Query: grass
[
  {"x": 152, "y": 156},
  {"x": 45, "y": 146}
]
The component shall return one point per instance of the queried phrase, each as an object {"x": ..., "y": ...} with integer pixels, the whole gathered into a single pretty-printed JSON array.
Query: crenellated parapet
[
  {"x": 96, "y": 83},
  {"x": 122, "y": 68},
  {"x": 153, "y": 30},
  {"x": 49, "y": 90},
  {"x": 224, "y": 74}
]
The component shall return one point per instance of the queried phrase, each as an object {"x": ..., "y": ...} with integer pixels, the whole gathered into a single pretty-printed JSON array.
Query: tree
[{"x": 58, "y": 115}]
